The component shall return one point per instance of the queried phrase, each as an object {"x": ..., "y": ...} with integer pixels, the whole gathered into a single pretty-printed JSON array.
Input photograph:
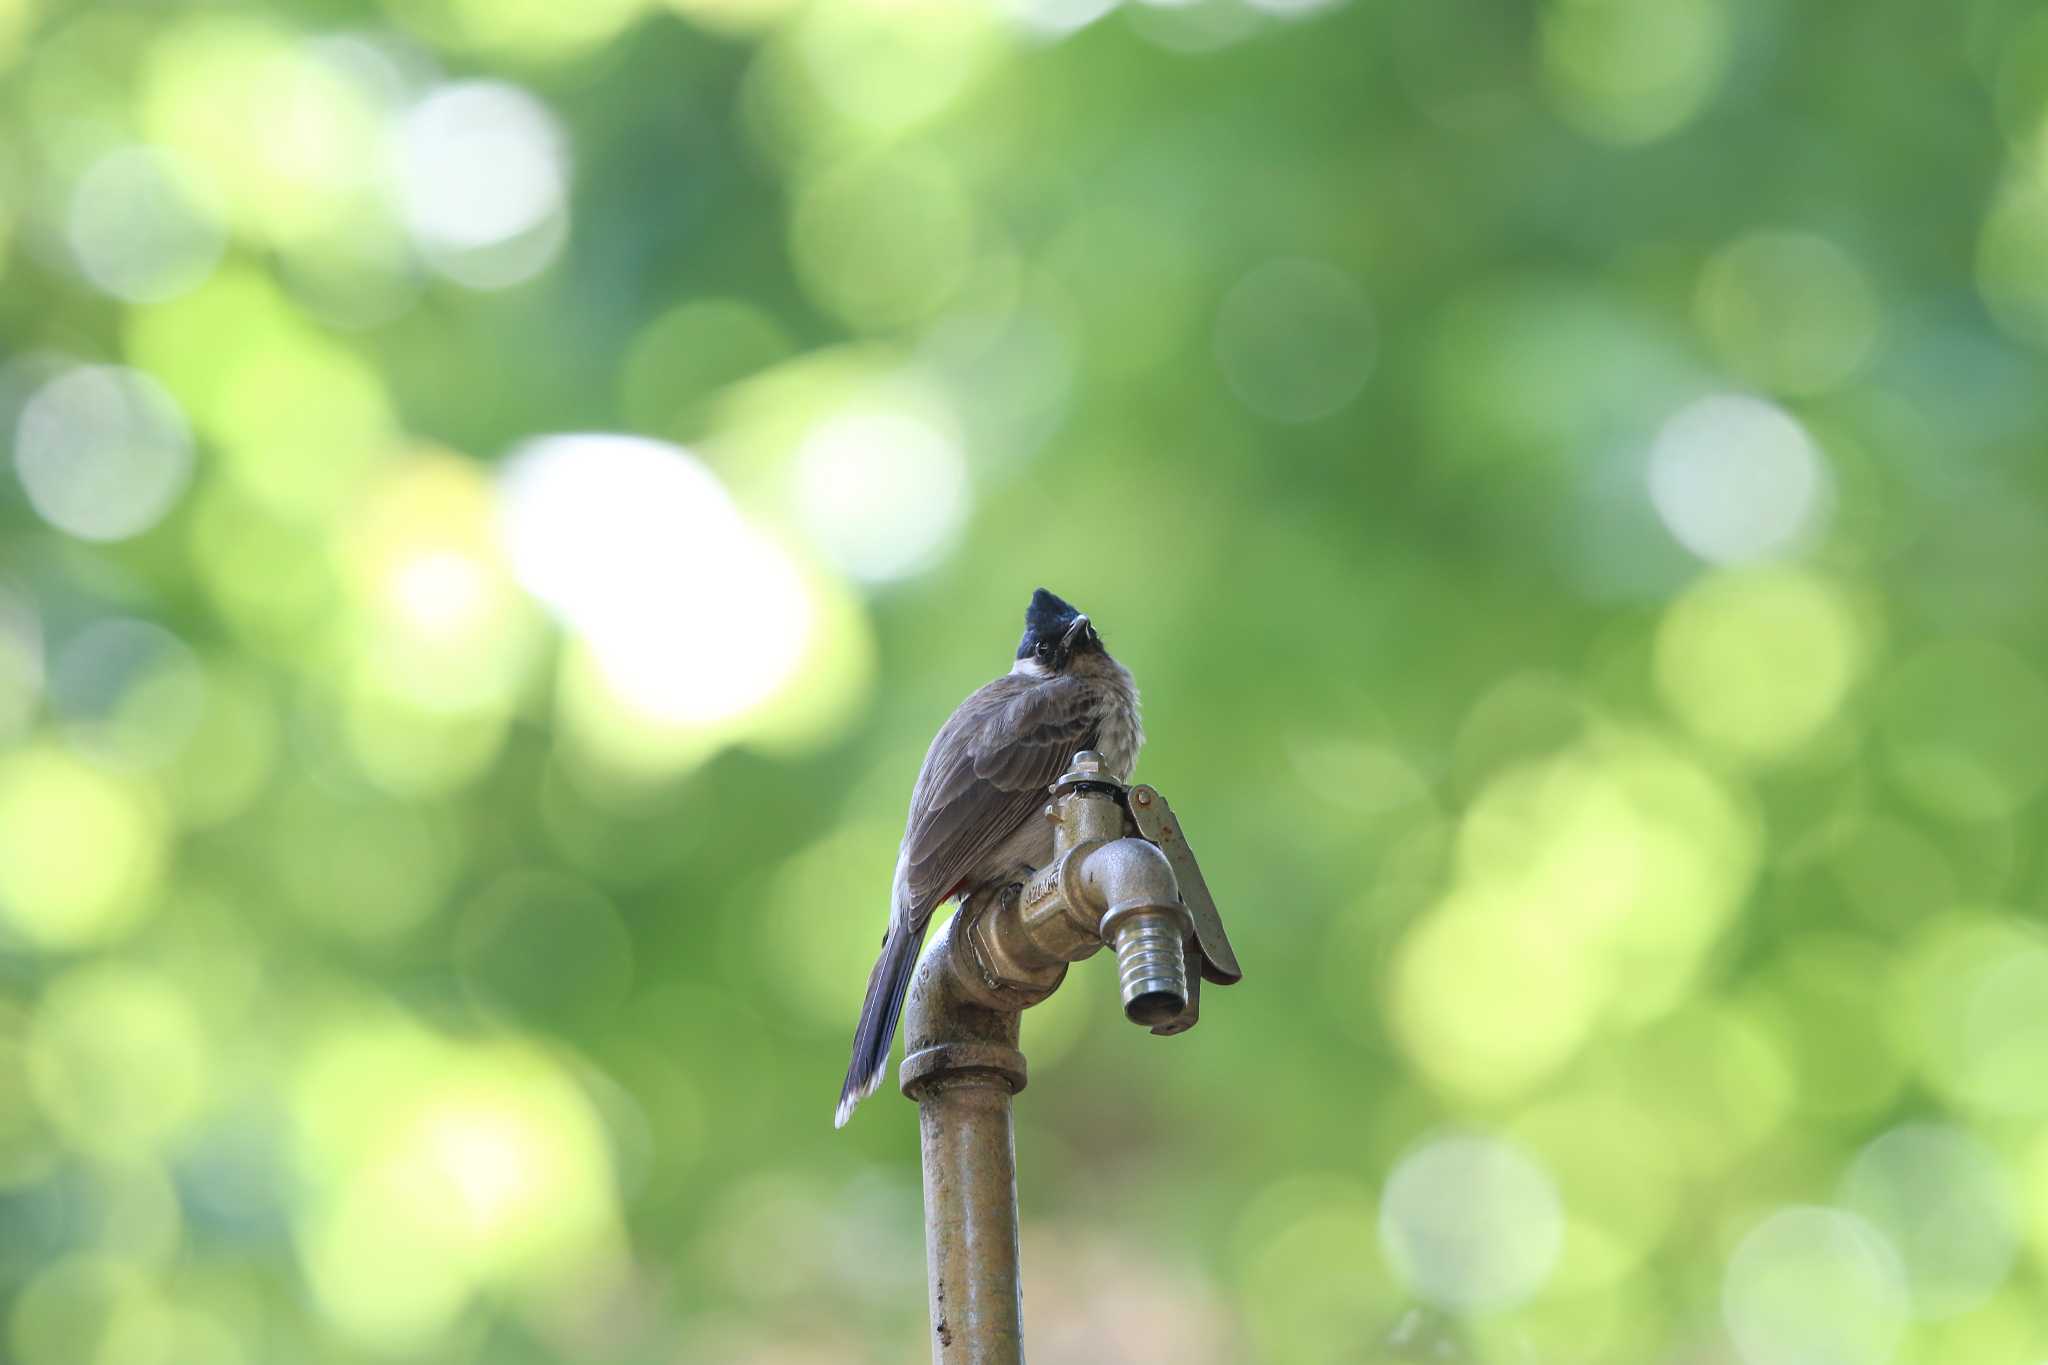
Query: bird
[{"x": 977, "y": 812}]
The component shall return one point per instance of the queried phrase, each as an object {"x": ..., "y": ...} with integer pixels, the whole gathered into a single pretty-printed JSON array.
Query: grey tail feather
[{"x": 875, "y": 1035}]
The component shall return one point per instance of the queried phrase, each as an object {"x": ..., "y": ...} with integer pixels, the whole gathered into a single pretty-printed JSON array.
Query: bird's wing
[{"x": 986, "y": 774}]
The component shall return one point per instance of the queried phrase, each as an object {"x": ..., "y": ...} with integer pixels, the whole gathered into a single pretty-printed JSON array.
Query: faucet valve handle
[{"x": 1158, "y": 825}]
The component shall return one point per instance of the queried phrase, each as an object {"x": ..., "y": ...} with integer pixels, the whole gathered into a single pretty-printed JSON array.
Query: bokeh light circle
[
  {"x": 1488, "y": 1003},
  {"x": 1309, "y": 1272},
  {"x": 1192, "y": 26},
  {"x": 1736, "y": 479},
  {"x": 2012, "y": 250},
  {"x": 102, "y": 451},
  {"x": 1588, "y": 885},
  {"x": 1056, "y": 18},
  {"x": 92, "y": 1308},
  {"x": 1946, "y": 1203},
  {"x": 693, "y": 615},
  {"x": 1811, "y": 1284},
  {"x": 1758, "y": 661},
  {"x": 118, "y": 1059},
  {"x": 1980, "y": 995},
  {"x": 889, "y": 69},
  {"x": 1472, "y": 1223},
  {"x": 682, "y": 363},
  {"x": 440, "y": 1169},
  {"x": 141, "y": 226},
  {"x": 882, "y": 494},
  {"x": 82, "y": 850},
  {"x": 1789, "y": 311},
  {"x": 1296, "y": 339},
  {"x": 440, "y": 592},
  {"x": 883, "y": 241},
  {"x": 1291, "y": 9},
  {"x": 287, "y": 141},
  {"x": 483, "y": 172},
  {"x": 1633, "y": 71}
]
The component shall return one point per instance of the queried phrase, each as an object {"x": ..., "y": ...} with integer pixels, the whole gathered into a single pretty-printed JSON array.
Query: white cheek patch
[{"x": 1030, "y": 668}]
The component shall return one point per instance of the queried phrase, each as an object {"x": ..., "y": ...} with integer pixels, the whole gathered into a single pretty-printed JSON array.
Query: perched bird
[{"x": 976, "y": 814}]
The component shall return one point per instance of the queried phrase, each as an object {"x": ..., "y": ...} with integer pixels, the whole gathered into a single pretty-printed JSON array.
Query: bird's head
[{"x": 1056, "y": 636}]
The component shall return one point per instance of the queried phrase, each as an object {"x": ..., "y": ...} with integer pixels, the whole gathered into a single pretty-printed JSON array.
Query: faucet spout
[{"x": 1141, "y": 916}]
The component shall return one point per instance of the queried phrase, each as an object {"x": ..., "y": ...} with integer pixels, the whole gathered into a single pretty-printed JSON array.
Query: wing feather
[{"x": 986, "y": 773}]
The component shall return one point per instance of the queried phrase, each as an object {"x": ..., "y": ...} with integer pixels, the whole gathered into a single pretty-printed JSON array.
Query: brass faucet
[{"x": 1122, "y": 876}]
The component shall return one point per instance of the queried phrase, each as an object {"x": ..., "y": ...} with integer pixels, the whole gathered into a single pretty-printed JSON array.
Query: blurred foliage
[{"x": 500, "y": 493}]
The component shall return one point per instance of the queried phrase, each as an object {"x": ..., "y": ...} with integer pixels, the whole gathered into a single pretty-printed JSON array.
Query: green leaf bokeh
[{"x": 501, "y": 492}]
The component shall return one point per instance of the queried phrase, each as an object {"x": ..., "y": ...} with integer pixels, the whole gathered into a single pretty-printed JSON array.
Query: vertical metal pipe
[
  {"x": 961, "y": 1065},
  {"x": 970, "y": 1222}
]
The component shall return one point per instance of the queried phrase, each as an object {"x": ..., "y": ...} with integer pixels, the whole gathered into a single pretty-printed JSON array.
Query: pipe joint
[{"x": 1117, "y": 892}]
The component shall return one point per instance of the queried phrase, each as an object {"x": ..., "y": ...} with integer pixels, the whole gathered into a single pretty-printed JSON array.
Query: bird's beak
[{"x": 1076, "y": 631}]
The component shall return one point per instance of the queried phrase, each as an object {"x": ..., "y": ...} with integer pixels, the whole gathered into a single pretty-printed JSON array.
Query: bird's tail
[{"x": 876, "y": 1032}]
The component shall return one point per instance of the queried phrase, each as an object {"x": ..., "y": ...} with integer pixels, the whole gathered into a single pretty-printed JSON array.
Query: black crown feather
[{"x": 1048, "y": 613}]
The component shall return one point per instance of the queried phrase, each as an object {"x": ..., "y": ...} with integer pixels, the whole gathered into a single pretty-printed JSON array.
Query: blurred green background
[{"x": 500, "y": 493}]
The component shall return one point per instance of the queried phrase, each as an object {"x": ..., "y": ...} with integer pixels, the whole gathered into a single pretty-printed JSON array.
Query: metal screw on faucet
[
  {"x": 1088, "y": 771},
  {"x": 1087, "y": 768}
]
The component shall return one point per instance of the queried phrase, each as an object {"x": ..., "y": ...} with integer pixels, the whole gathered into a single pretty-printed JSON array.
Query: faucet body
[{"x": 1006, "y": 950}]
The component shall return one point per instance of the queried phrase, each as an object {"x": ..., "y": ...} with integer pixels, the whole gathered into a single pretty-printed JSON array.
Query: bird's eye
[{"x": 1044, "y": 650}]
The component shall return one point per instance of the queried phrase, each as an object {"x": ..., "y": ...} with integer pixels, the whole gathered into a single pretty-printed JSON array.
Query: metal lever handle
[{"x": 1158, "y": 825}]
